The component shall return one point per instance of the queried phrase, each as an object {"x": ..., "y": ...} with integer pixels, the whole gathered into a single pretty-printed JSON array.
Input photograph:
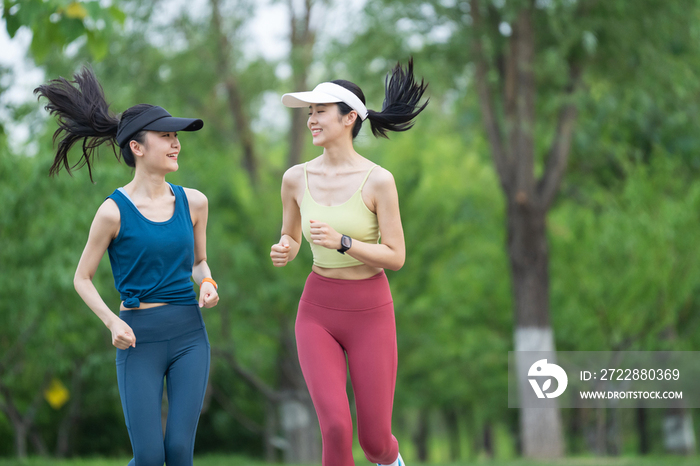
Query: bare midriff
[
  {"x": 358, "y": 272},
  {"x": 143, "y": 306}
]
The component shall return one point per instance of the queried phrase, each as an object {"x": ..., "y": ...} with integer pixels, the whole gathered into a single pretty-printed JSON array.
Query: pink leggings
[{"x": 353, "y": 317}]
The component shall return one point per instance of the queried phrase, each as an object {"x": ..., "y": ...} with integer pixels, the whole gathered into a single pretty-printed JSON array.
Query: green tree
[
  {"x": 57, "y": 23},
  {"x": 44, "y": 332},
  {"x": 527, "y": 61},
  {"x": 452, "y": 297},
  {"x": 628, "y": 272}
]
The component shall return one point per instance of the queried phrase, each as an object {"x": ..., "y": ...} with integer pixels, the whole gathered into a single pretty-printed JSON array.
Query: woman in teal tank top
[
  {"x": 155, "y": 233},
  {"x": 343, "y": 204}
]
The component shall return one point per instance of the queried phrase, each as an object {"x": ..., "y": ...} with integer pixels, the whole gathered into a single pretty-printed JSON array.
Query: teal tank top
[{"x": 152, "y": 261}]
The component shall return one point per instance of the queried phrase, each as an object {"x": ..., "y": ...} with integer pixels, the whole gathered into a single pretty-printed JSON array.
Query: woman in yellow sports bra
[{"x": 343, "y": 204}]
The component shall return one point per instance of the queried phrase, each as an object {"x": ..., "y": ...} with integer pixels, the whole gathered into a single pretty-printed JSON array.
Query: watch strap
[{"x": 345, "y": 239}]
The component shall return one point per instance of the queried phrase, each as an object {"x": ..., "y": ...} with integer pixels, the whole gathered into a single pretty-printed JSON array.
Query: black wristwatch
[{"x": 345, "y": 244}]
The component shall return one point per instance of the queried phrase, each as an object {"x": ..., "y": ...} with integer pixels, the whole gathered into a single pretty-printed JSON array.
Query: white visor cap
[{"x": 326, "y": 93}]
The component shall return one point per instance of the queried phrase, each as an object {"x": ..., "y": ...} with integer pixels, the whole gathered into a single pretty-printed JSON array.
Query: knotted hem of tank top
[{"x": 132, "y": 303}]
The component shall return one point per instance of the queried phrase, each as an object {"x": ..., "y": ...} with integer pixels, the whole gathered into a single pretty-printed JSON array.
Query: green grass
[{"x": 219, "y": 460}]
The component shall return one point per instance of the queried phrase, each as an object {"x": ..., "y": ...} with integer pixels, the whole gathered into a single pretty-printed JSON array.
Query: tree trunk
[
  {"x": 298, "y": 420},
  {"x": 528, "y": 199},
  {"x": 234, "y": 94},
  {"x": 302, "y": 39},
  {"x": 452, "y": 421},
  {"x": 420, "y": 438},
  {"x": 574, "y": 429},
  {"x": 20, "y": 440},
  {"x": 614, "y": 436},
  {"x": 679, "y": 435},
  {"x": 529, "y": 258},
  {"x": 299, "y": 438},
  {"x": 297, "y": 414},
  {"x": 22, "y": 422},
  {"x": 541, "y": 429},
  {"x": 514, "y": 431},
  {"x": 68, "y": 423},
  {"x": 643, "y": 431},
  {"x": 39, "y": 444},
  {"x": 270, "y": 433},
  {"x": 297, "y": 132},
  {"x": 678, "y": 432},
  {"x": 488, "y": 440},
  {"x": 600, "y": 421}
]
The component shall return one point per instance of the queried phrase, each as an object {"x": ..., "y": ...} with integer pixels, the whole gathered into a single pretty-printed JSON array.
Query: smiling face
[
  {"x": 159, "y": 151},
  {"x": 327, "y": 125}
]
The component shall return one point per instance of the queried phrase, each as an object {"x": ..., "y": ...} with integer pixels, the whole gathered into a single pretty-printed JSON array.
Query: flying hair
[
  {"x": 402, "y": 95},
  {"x": 83, "y": 114}
]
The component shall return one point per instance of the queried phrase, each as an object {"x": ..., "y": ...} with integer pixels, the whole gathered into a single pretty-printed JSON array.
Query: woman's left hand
[
  {"x": 324, "y": 235},
  {"x": 208, "y": 297}
]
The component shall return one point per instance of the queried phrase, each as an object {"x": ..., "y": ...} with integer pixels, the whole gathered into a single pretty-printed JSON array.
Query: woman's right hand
[
  {"x": 279, "y": 253},
  {"x": 122, "y": 335}
]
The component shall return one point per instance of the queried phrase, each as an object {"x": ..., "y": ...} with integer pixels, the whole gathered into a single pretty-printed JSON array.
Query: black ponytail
[
  {"x": 83, "y": 113},
  {"x": 402, "y": 95}
]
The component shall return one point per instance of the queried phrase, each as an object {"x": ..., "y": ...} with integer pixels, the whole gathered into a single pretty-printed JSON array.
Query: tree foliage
[
  {"x": 624, "y": 266},
  {"x": 57, "y": 23}
]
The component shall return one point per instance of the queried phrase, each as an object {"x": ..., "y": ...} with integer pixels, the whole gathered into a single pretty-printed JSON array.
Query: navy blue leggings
[{"x": 171, "y": 343}]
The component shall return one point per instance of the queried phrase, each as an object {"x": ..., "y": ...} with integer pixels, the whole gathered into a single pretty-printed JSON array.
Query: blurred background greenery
[{"x": 615, "y": 80}]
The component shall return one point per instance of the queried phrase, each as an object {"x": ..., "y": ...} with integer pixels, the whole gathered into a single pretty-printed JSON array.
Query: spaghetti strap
[
  {"x": 367, "y": 176},
  {"x": 306, "y": 177}
]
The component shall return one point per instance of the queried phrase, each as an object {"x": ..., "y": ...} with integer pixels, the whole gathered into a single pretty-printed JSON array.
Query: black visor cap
[
  {"x": 175, "y": 124},
  {"x": 156, "y": 119}
]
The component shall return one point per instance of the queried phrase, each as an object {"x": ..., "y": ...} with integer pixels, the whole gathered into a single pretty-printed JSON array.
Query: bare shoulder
[
  {"x": 294, "y": 177},
  {"x": 107, "y": 219},
  {"x": 381, "y": 180},
  {"x": 196, "y": 199},
  {"x": 108, "y": 213}
]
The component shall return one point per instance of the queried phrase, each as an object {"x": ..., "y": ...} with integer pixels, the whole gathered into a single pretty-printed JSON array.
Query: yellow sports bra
[{"x": 351, "y": 218}]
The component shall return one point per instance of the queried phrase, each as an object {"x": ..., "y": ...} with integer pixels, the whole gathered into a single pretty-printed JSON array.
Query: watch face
[{"x": 345, "y": 241}]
